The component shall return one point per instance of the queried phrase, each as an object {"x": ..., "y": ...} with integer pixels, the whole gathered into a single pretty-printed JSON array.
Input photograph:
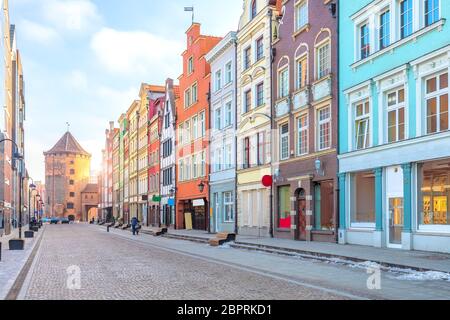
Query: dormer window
[{"x": 254, "y": 11}]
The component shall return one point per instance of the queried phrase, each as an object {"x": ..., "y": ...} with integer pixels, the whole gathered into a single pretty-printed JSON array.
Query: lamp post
[
  {"x": 17, "y": 156},
  {"x": 32, "y": 188},
  {"x": 38, "y": 199}
]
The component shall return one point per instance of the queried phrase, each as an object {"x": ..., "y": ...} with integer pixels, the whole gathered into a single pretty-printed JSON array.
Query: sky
[{"x": 84, "y": 61}]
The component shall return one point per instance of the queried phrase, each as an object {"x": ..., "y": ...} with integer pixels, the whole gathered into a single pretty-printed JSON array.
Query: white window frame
[
  {"x": 228, "y": 202},
  {"x": 436, "y": 94},
  {"x": 304, "y": 129},
  {"x": 283, "y": 87},
  {"x": 320, "y": 123},
  {"x": 228, "y": 113},
  {"x": 202, "y": 123},
  {"x": 369, "y": 127},
  {"x": 218, "y": 80},
  {"x": 190, "y": 64},
  {"x": 195, "y": 128},
  {"x": 297, "y": 71},
  {"x": 327, "y": 70},
  {"x": 298, "y": 15},
  {"x": 229, "y": 72},
  {"x": 284, "y": 141},
  {"x": 396, "y": 107}
]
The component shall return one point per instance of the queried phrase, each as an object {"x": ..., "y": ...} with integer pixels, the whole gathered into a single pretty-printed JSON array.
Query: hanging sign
[{"x": 267, "y": 181}]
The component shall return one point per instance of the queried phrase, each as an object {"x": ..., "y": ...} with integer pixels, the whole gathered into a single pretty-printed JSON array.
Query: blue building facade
[
  {"x": 222, "y": 59},
  {"x": 394, "y": 138}
]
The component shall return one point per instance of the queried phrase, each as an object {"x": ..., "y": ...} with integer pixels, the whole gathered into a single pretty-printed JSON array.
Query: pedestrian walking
[{"x": 134, "y": 224}]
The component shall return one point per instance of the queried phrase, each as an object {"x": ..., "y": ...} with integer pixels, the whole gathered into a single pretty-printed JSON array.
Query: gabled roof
[{"x": 67, "y": 144}]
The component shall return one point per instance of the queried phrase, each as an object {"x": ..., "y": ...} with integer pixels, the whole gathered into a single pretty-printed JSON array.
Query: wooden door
[{"x": 301, "y": 214}]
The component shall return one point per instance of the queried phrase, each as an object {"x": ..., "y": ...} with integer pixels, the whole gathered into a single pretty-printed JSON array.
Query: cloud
[
  {"x": 71, "y": 15},
  {"x": 137, "y": 53},
  {"x": 78, "y": 80},
  {"x": 39, "y": 33}
]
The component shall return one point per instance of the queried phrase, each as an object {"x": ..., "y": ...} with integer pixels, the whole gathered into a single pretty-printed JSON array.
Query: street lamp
[
  {"x": 32, "y": 188},
  {"x": 38, "y": 199}
]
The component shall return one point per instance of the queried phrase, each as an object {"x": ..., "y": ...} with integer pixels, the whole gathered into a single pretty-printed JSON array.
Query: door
[
  {"x": 396, "y": 220},
  {"x": 301, "y": 214},
  {"x": 395, "y": 207}
]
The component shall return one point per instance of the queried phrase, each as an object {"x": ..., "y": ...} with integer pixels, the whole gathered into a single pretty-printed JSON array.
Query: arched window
[{"x": 254, "y": 11}]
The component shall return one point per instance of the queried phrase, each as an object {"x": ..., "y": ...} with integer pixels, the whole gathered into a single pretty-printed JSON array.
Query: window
[
  {"x": 191, "y": 65},
  {"x": 194, "y": 166},
  {"x": 228, "y": 155},
  {"x": 254, "y": 10},
  {"x": 228, "y": 114},
  {"x": 431, "y": 12},
  {"x": 187, "y": 131},
  {"x": 385, "y": 29},
  {"x": 406, "y": 18},
  {"x": 302, "y": 140},
  {"x": 72, "y": 195},
  {"x": 202, "y": 124},
  {"x": 218, "y": 78},
  {"x": 247, "y": 101},
  {"x": 72, "y": 171},
  {"x": 302, "y": 72},
  {"x": 188, "y": 169},
  {"x": 434, "y": 193},
  {"x": 259, "y": 49},
  {"x": 437, "y": 103},
  {"x": 247, "y": 53},
  {"x": 246, "y": 153},
  {"x": 324, "y": 127},
  {"x": 194, "y": 93},
  {"x": 167, "y": 177},
  {"x": 261, "y": 143},
  {"x": 364, "y": 41},
  {"x": 324, "y": 206},
  {"x": 70, "y": 205},
  {"x": 228, "y": 207},
  {"x": 180, "y": 134},
  {"x": 301, "y": 15},
  {"x": 228, "y": 73},
  {"x": 187, "y": 98},
  {"x": 363, "y": 198},
  {"x": 283, "y": 83},
  {"x": 323, "y": 59},
  {"x": 218, "y": 118},
  {"x": 218, "y": 159},
  {"x": 362, "y": 123},
  {"x": 260, "y": 95},
  {"x": 167, "y": 120},
  {"x": 396, "y": 115},
  {"x": 71, "y": 182},
  {"x": 167, "y": 148},
  {"x": 284, "y": 207},
  {"x": 284, "y": 142},
  {"x": 195, "y": 129},
  {"x": 203, "y": 164}
]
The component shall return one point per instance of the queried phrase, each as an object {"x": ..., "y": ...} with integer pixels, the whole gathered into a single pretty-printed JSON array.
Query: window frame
[
  {"x": 284, "y": 141},
  {"x": 303, "y": 129},
  {"x": 357, "y": 119},
  {"x": 283, "y": 82},
  {"x": 437, "y": 94},
  {"x": 259, "y": 96},
  {"x": 320, "y": 123},
  {"x": 396, "y": 107},
  {"x": 298, "y": 14},
  {"x": 320, "y": 74}
]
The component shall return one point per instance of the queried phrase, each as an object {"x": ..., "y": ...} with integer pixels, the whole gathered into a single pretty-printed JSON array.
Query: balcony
[
  {"x": 301, "y": 98},
  {"x": 282, "y": 107},
  {"x": 322, "y": 88}
]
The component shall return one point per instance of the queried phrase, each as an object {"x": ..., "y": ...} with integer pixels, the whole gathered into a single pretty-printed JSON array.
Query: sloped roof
[
  {"x": 67, "y": 144},
  {"x": 90, "y": 188}
]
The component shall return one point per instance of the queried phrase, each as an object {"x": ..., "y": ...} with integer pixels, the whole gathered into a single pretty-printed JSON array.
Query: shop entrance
[
  {"x": 395, "y": 205},
  {"x": 301, "y": 214}
]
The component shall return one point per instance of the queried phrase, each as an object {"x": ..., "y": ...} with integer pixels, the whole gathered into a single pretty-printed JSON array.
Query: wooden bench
[{"x": 221, "y": 238}]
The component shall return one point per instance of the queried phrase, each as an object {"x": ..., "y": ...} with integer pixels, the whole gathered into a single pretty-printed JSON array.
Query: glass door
[{"x": 396, "y": 220}]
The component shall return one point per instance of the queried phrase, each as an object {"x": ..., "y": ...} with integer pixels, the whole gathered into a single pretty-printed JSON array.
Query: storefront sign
[
  {"x": 171, "y": 202},
  {"x": 156, "y": 198},
  {"x": 198, "y": 203}
]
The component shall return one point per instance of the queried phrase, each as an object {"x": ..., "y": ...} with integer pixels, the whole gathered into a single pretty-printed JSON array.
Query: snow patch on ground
[{"x": 425, "y": 276}]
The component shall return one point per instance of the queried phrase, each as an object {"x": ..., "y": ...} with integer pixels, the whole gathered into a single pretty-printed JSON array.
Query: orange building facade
[{"x": 192, "y": 147}]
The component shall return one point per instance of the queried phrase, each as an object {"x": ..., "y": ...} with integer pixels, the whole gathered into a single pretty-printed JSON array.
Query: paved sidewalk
[
  {"x": 13, "y": 261},
  {"x": 416, "y": 260}
]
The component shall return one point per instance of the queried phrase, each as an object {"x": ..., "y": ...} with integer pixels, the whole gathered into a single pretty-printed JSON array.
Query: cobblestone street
[{"x": 117, "y": 266}]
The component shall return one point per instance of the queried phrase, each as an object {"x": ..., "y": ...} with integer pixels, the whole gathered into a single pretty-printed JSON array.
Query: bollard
[{"x": 107, "y": 228}]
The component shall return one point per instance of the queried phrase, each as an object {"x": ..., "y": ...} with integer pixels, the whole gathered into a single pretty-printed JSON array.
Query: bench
[
  {"x": 126, "y": 226},
  {"x": 221, "y": 238},
  {"x": 118, "y": 225}
]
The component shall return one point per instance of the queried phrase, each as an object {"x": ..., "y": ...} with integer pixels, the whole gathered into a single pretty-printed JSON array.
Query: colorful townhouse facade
[
  {"x": 394, "y": 156},
  {"x": 253, "y": 101},
  {"x": 222, "y": 179},
  {"x": 105, "y": 178},
  {"x": 167, "y": 147},
  {"x": 155, "y": 110},
  {"x": 305, "y": 113},
  {"x": 116, "y": 173},
  {"x": 192, "y": 120}
]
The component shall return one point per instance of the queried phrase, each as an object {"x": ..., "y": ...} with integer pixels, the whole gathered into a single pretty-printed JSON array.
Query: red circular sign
[{"x": 267, "y": 181}]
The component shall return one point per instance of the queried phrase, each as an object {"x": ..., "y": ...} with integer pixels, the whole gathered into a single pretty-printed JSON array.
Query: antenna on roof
[
  {"x": 190, "y": 9},
  {"x": 68, "y": 126}
]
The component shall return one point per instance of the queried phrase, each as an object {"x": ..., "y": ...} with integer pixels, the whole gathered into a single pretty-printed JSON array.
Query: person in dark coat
[{"x": 134, "y": 225}]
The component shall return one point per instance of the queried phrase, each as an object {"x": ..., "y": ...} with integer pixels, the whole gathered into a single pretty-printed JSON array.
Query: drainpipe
[
  {"x": 338, "y": 190},
  {"x": 236, "y": 228}
]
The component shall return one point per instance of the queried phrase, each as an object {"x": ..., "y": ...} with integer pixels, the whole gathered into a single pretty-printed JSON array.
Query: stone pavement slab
[{"x": 13, "y": 261}]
